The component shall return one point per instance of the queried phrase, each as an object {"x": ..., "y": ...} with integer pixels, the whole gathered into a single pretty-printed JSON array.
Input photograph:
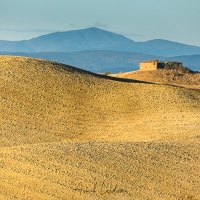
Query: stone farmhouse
[{"x": 156, "y": 64}]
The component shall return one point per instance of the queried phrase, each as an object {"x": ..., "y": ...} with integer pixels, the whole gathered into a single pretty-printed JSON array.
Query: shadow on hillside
[{"x": 182, "y": 86}]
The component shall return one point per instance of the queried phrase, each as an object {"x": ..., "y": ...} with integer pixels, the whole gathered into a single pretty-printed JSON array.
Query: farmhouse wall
[{"x": 146, "y": 66}]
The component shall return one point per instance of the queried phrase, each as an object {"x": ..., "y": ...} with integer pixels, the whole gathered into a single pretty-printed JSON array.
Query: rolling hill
[
  {"x": 66, "y": 133},
  {"x": 191, "y": 80},
  {"x": 97, "y": 39}
]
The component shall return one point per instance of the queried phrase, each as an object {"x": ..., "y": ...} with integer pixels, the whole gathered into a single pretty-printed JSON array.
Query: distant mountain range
[
  {"x": 96, "y": 39},
  {"x": 112, "y": 61},
  {"x": 98, "y": 50}
]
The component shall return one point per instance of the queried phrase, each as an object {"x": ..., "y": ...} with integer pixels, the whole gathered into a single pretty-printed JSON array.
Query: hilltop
[
  {"x": 66, "y": 133},
  {"x": 175, "y": 77}
]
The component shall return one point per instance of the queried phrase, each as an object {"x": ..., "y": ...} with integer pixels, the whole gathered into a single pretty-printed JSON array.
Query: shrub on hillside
[
  {"x": 106, "y": 73},
  {"x": 177, "y": 67}
]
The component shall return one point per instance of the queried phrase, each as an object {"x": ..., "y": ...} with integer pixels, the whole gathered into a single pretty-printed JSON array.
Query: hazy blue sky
[{"x": 140, "y": 20}]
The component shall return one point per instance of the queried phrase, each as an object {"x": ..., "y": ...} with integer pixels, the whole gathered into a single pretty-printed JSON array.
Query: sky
[{"x": 139, "y": 20}]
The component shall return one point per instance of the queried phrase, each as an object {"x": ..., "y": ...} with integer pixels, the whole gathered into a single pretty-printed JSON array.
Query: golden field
[
  {"x": 173, "y": 77},
  {"x": 69, "y": 134}
]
